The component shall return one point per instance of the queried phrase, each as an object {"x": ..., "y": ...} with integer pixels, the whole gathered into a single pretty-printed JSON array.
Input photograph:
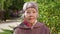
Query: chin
[{"x": 31, "y": 21}]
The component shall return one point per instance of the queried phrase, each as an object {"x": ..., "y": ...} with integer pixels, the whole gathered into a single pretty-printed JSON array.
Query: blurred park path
[{"x": 9, "y": 24}]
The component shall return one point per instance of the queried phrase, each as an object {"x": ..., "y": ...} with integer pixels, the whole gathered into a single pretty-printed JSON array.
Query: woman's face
[{"x": 31, "y": 15}]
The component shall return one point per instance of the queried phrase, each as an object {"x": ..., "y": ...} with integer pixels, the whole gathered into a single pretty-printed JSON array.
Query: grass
[{"x": 7, "y": 31}]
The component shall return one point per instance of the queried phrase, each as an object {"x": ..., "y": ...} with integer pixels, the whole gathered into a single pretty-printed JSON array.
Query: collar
[
  {"x": 28, "y": 24},
  {"x": 23, "y": 26}
]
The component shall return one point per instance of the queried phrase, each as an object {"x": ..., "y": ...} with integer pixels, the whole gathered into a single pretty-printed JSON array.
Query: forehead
[{"x": 30, "y": 9}]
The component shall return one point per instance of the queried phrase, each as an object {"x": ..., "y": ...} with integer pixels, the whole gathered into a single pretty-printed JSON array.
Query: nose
[{"x": 31, "y": 14}]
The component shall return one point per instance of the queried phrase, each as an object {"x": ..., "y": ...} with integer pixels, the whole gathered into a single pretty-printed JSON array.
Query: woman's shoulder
[
  {"x": 19, "y": 26},
  {"x": 40, "y": 24}
]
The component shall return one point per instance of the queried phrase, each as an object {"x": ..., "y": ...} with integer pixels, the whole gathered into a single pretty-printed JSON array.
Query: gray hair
[{"x": 30, "y": 5}]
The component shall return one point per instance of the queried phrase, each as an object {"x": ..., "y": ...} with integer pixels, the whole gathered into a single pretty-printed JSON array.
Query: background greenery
[
  {"x": 48, "y": 11},
  {"x": 7, "y": 31}
]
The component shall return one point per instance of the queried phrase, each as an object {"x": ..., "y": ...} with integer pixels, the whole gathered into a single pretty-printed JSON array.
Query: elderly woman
[{"x": 30, "y": 24}]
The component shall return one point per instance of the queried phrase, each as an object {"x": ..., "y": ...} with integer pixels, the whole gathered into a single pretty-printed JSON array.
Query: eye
[
  {"x": 28, "y": 12},
  {"x": 34, "y": 12}
]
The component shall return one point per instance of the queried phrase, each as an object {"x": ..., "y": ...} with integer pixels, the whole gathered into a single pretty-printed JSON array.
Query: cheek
[
  {"x": 26, "y": 16},
  {"x": 36, "y": 15}
]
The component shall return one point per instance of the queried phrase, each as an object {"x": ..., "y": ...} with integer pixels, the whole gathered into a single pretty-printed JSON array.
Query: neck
[{"x": 30, "y": 24}]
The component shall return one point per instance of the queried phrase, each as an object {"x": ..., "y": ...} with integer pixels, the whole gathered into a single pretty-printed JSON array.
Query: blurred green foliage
[
  {"x": 8, "y": 5},
  {"x": 5, "y": 4},
  {"x": 49, "y": 14},
  {"x": 7, "y": 31}
]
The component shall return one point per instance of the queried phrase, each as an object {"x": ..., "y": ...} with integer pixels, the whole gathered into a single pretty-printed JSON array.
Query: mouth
[{"x": 31, "y": 18}]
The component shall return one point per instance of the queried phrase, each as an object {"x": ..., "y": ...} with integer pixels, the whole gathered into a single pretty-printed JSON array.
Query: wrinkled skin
[{"x": 31, "y": 15}]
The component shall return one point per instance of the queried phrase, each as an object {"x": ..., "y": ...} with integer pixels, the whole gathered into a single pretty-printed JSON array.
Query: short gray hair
[{"x": 30, "y": 5}]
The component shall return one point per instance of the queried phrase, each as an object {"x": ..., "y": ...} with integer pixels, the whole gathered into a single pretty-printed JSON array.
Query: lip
[{"x": 31, "y": 18}]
